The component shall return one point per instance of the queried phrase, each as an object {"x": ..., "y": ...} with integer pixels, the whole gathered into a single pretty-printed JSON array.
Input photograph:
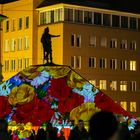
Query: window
[
  {"x": 13, "y": 25},
  {"x": 113, "y": 64},
  {"x": 106, "y": 19},
  {"x": 123, "y": 64},
  {"x": 97, "y": 18},
  {"x": 93, "y": 82},
  {"x": 133, "y": 65},
  {"x": 6, "y": 45},
  {"x": 102, "y": 84},
  {"x": 139, "y": 23},
  {"x": 13, "y": 65},
  {"x": 123, "y": 105},
  {"x": 52, "y": 16},
  {"x": 133, "y": 106},
  {"x": 19, "y": 44},
  {"x": 123, "y": 85},
  {"x": 42, "y": 18},
  {"x": 26, "y": 22},
  {"x": 78, "y": 16},
  {"x": 92, "y": 62},
  {"x": 92, "y": 41},
  {"x": 115, "y": 21},
  {"x": 19, "y": 64},
  {"x": 133, "y": 23},
  {"x": 6, "y": 65},
  {"x": 26, "y": 42},
  {"x": 76, "y": 62},
  {"x": 133, "y": 86},
  {"x": 123, "y": 44},
  {"x": 13, "y": 45},
  {"x": 7, "y": 26},
  {"x": 26, "y": 62},
  {"x": 58, "y": 15},
  {"x": 124, "y": 22},
  {"x": 133, "y": 45},
  {"x": 113, "y": 85},
  {"x": 103, "y": 41},
  {"x": 102, "y": 62},
  {"x": 78, "y": 41},
  {"x": 73, "y": 38},
  {"x": 20, "y": 23},
  {"x": 113, "y": 43},
  {"x": 88, "y": 17},
  {"x": 68, "y": 15}
]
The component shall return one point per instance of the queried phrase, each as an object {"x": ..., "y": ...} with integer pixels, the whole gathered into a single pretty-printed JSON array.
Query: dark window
[
  {"x": 97, "y": 18},
  {"x": 26, "y": 22},
  {"x": 20, "y": 23},
  {"x": 42, "y": 18},
  {"x": 88, "y": 17},
  {"x": 139, "y": 24},
  {"x": 124, "y": 22},
  {"x": 72, "y": 40},
  {"x": 115, "y": 21},
  {"x": 78, "y": 41},
  {"x": 133, "y": 23},
  {"x": 68, "y": 15},
  {"x": 106, "y": 19},
  {"x": 92, "y": 63},
  {"x": 7, "y": 26},
  {"x": 102, "y": 63},
  {"x": 52, "y": 16},
  {"x": 78, "y": 16}
]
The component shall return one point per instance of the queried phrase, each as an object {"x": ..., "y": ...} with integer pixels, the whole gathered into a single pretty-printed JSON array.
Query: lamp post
[{"x": 2, "y": 17}]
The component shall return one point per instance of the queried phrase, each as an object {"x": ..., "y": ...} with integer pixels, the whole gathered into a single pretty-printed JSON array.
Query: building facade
[{"x": 100, "y": 43}]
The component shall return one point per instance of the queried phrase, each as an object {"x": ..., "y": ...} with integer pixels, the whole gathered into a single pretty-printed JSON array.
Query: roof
[
  {"x": 118, "y": 5},
  {"x": 6, "y": 1}
]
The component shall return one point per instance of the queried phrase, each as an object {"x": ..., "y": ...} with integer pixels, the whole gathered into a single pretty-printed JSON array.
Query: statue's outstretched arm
[{"x": 55, "y": 35}]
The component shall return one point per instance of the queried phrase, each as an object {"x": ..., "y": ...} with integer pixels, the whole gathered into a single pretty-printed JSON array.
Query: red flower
[
  {"x": 35, "y": 112},
  {"x": 5, "y": 107},
  {"x": 67, "y": 100},
  {"x": 105, "y": 103}
]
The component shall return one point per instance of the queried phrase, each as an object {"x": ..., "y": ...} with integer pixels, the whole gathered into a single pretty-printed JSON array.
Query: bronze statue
[{"x": 47, "y": 44}]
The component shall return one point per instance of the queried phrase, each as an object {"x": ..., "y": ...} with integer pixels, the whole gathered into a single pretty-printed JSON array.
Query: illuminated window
[
  {"x": 113, "y": 85},
  {"x": 13, "y": 45},
  {"x": 133, "y": 65},
  {"x": 87, "y": 17},
  {"x": 52, "y": 16},
  {"x": 113, "y": 64},
  {"x": 13, "y": 25},
  {"x": 26, "y": 62},
  {"x": 7, "y": 26},
  {"x": 58, "y": 15},
  {"x": 19, "y": 64},
  {"x": 133, "y": 106},
  {"x": 42, "y": 17},
  {"x": 123, "y": 44},
  {"x": 26, "y": 42},
  {"x": 20, "y": 23},
  {"x": 113, "y": 43},
  {"x": 124, "y": 22},
  {"x": 123, "y": 64},
  {"x": 76, "y": 62},
  {"x": 133, "y": 23},
  {"x": 97, "y": 18},
  {"x": 106, "y": 19},
  {"x": 6, "y": 65},
  {"x": 139, "y": 23},
  {"x": 133, "y": 86},
  {"x": 123, "y": 85},
  {"x": 103, "y": 85},
  {"x": 92, "y": 62},
  {"x": 92, "y": 41},
  {"x": 78, "y": 16},
  {"x": 115, "y": 21},
  {"x": 93, "y": 82},
  {"x": 102, "y": 63},
  {"x": 78, "y": 40},
  {"x": 73, "y": 40},
  {"x": 6, "y": 45},
  {"x": 68, "y": 16},
  {"x": 133, "y": 45},
  {"x": 26, "y": 22},
  {"x": 19, "y": 43},
  {"x": 103, "y": 41},
  {"x": 13, "y": 65},
  {"x": 123, "y": 105}
]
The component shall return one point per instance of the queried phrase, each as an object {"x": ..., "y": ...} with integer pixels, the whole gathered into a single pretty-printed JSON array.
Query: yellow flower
[
  {"x": 21, "y": 95},
  {"x": 83, "y": 112}
]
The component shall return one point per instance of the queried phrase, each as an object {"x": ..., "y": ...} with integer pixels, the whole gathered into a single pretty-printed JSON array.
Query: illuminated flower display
[{"x": 51, "y": 93}]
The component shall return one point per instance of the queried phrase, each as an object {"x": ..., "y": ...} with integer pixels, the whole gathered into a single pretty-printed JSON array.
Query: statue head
[{"x": 47, "y": 30}]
